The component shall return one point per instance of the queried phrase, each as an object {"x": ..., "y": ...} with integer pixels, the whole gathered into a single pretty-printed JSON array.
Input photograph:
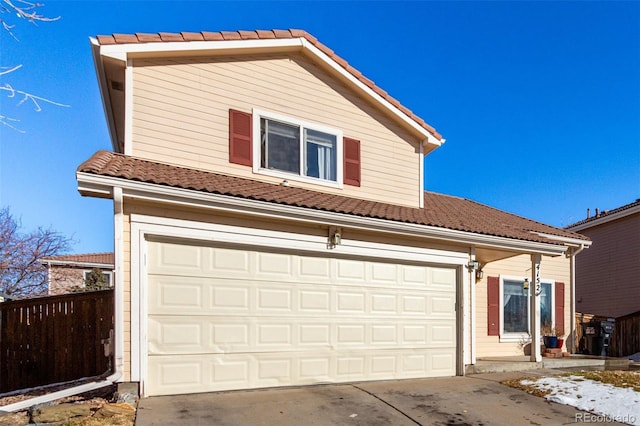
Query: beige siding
[
  {"x": 180, "y": 110},
  {"x": 551, "y": 268},
  {"x": 206, "y": 216}
]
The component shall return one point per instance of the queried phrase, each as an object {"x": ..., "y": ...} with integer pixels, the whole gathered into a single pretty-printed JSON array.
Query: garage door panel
[
  {"x": 205, "y": 372},
  {"x": 207, "y": 296},
  {"x": 232, "y": 318},
  {"x": 212, "y": 334}
]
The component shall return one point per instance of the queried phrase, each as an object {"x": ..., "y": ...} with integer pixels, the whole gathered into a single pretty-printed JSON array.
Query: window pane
[
  {"x": 545, "y": 305},
  {"x": 516, "y": 308},
  {"x": 320, "y": 154},
  {"x": 280, "y": 146}
]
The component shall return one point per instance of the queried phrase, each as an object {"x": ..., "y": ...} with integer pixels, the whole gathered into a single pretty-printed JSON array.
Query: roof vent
[{"x": 117, "y": 85}]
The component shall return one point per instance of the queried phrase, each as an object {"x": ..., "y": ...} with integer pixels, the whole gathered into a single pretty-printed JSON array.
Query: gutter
[
  {"x": 102, "y": 186},
  {"x": 573, "y": 252}
]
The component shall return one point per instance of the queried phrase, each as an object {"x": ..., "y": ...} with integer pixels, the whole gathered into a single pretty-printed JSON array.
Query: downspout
[
  {"x": 573, "y": 252},
  {"x": 119, "y": 335}
]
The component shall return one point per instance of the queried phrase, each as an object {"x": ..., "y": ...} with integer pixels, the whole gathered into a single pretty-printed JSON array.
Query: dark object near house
[{"x": 597, "y": 336}]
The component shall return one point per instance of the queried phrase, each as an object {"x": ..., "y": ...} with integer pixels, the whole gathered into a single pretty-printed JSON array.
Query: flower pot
[
  {"x": 560, "y": 343},
  {"x": 550, "y": 342}
]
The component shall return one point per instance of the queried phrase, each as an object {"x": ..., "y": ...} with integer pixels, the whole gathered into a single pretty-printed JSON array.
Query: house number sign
[{"x": 538, "y": 284}]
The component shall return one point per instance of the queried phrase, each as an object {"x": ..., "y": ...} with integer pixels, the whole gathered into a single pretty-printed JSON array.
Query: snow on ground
[
  {"x": 610, "y": 402},
  {"x": 635, "y": 357}
]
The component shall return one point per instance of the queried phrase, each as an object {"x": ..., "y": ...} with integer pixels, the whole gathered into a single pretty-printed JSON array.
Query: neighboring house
[
  {"x": 607, "y": 282},
  {"x": 271, "y": 226},
  {"x": 66, "y": 273}
]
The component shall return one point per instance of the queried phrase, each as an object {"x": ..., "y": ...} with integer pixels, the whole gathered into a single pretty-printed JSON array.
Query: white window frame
[
  {"x": 259, "y": 114},
  {"x": 88, "y": 271},
  {"x": 523, "y": 337}
]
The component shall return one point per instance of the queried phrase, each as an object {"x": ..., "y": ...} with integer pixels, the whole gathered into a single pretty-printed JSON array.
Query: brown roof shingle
[
  {"x": 263, "y": 34},
  {"x": 442, "y": 211},
  {"x": 103, "y": 258}
]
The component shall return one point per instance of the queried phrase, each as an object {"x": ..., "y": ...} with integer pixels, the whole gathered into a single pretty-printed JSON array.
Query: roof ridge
[
  {"x": 605, "y": 213},
  {"x": 160, "y": 37}
]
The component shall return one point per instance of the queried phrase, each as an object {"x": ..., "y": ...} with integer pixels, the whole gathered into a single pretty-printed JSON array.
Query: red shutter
[
  {"x": 240, "y": 142},
  {"x": 559, "y": 302},
  {"x": 493, "y": 306},
  {"x": 351, "y": 161}
]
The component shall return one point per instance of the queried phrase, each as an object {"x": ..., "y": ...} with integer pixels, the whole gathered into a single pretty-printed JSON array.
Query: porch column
[{"x": 535, "y": 289}]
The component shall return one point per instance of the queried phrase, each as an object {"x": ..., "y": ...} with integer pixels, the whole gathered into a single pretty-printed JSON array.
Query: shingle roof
[
  {"x": 606, "y": 213},
  {"x": 102, "y": 258},
  {"x": 263, "y": 34},
  {"x": 442, "y": 211}
]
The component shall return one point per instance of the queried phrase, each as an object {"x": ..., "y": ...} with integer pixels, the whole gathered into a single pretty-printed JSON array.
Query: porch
[{"x": 520, "y": 363}]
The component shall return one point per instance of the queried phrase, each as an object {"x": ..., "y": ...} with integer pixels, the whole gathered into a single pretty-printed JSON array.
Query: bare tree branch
[
  {"x": 21, "y": 273},
  {"x": 21, "y": 9}
]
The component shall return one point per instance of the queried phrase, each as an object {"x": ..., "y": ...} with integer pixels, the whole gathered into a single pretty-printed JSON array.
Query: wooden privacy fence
[
  {"x": 626, "y": 336},
  {"x": 54, "y": 339}
]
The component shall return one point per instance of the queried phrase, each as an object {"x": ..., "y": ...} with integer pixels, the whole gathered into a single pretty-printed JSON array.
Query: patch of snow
[
  {"x": 618, "y": 404},
  {"x": 635, "y": 357}
]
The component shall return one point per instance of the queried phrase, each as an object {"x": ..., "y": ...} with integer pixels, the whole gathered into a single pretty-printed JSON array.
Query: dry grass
[
  {"x": 95, "y": 399},
  {"x": 618, "y": 378}
]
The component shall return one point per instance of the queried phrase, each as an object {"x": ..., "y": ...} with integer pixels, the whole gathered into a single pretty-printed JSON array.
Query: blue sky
[{"x": 539, "y": 101}]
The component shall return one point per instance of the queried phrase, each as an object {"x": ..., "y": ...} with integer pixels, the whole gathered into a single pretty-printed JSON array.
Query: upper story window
[{"x": 287, "y": 147}]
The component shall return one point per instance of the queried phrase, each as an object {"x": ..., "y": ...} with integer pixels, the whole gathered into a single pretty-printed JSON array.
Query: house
[
  {"x": 66, "y": 273},
  {"x": 272, "y": 228},
  {"x": 607, "y": 274}
]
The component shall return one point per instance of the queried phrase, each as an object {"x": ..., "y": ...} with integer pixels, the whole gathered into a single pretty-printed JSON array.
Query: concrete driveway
[{"x": 471, "y": 400}]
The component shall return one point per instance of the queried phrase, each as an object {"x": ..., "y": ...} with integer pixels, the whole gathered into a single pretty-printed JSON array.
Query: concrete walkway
[{"x": 471, "y": 400}]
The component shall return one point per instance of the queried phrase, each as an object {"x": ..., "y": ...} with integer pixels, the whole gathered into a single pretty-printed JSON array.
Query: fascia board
[
  {"x": 104, "y": 92},
  {"x": 574, "y": 242},
  {"x": 133, "y": 50},
  {"x": 428, "y": 137},
  {"x": 123, "y": 52},
  {"x": 153, "y": 192},
  {"x": 77, "y": 264},
  {"x": 605, "y": 219}
]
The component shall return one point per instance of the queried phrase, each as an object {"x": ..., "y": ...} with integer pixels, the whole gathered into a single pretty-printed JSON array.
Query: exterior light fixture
[
  {"x": 479, "y": 274},
  {"x": 473, "y": 265},
  {"x": 335, "y": 236},
  {"x": 525, "y": 284}
]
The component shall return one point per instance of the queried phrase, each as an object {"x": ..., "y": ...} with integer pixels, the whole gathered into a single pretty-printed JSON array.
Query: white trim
[
  {"x": 566, "y": 240},
  {"x": 128, "y": 109},
  {"x": 96, "y": 184},
  {"x": 472, "y": 310},
  {"x": 118, "y": 285},
  {"x": 257, "y": 114},
  {"x": 142, "y": 227},
  {"x": 371, "y": 93},
  {"x": 605, "y": 218},
  {"x": 196, "y": 47},
  {"x": 521, "y": 336},
  {"x": 77, "y": 264},
  {"x": 104, "y": 93},
  {"x": 123, "y": 52}
]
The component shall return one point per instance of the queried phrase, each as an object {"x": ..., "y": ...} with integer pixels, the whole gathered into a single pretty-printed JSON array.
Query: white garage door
[{"x": 234, "y": 318}]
